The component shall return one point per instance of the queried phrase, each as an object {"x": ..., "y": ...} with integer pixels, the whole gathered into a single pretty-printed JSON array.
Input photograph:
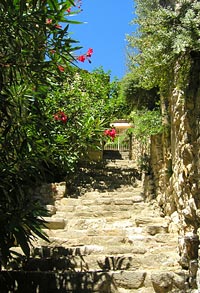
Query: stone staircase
[{"x": 105, "y": 238}]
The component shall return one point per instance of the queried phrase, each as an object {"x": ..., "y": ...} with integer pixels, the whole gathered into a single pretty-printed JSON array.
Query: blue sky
[{"x": 106, "y": 24}]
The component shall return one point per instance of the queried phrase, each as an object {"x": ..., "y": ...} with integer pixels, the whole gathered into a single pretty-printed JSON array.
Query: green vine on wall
[{"x": 145, "y": 124}]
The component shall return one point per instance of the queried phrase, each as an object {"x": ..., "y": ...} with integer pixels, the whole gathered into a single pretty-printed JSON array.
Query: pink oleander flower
[
  {"x": 86, "y": 56},
  {"x": 81, "y": 58},
  {"x": 89, "y": 52},
  {"x": 111, "y": 133},
  {"x": 107, "y": 132}
]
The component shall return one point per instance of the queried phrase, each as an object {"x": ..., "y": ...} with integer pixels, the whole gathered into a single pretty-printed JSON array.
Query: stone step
[
  {"x": 100, "y": 262},
  {"x": 80, "y": 263},
  {"x": 87, "y": 240},
  {"x": 95, "y": 281},
  {"x": 84, "y": 250},
  {"x": 109, "y": 220},
  {"x": 127, "y": 214},
  {"x": 120, "y": 193},
  {"x": 148, "y": 220},
  {"x": 106, "y": 238},
  {"x": 125, "y": 218},
  {"x": 86, "y": 228},
  {"x": 104, "y": 198},
  {"x": 135, "y": 208},
  {"x": 66, "y": 238},
  {"x": 54, "y": 223},
  {"x": 107, "y": 242},
  {"x": 81, "y": 282}
]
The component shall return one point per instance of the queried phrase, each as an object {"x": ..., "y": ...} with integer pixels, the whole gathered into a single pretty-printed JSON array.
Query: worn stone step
[
  {"x": 106, "y": 235},
  {"x": 161, "y": 259},
  {"x": 147, "y": 220},
  {"x": 99, "y": 224},
  {"x": 114, "y": 194},
  {"x": 124, "y": 220},
  {"x": 87, "y": 262},
  {"x": 67, "y": 201},
  {"x": 102, "y": 206},
  {"x": 110, "y": 228},
  {"x": 156, "y": 229},
  {"x": 89, "y": 281},
  {"x": 117, "y": 205},
  {"x": 77, "y": 233},
  {"x": 54, "y": 223},
  {"x": 85, "y": 250},
  {"x": 140, "y": 281},
  {"x": 170, "y": 238},
  {"x": 93, "y": 199},
  {"x": 61, "y": 238},
  {"x": 88, "y": 240},
  {"x": 106, "y": 214},
  {"x": 133, "y": 207},
  {"x": 100, "y": 262}
]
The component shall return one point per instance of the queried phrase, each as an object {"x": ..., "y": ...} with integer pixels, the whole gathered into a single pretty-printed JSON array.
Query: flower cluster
[
  {"x": 86, "y": 56},
  {"x": 111, "y": 133},
  {"x": 60, "y": 116}
]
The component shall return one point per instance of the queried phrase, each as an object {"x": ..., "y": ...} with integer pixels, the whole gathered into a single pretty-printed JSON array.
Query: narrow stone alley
[{"x": 105, "y": 237}]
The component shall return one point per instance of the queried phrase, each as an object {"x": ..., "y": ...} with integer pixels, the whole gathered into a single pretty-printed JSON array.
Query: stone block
[
  {"x": 156, "y": 229},
  {"x": 124, "y": 201},
  {"x": 129, "y": 279},
  {"x": 162, "y": 282},
  {"x": 51, "y": 209},
  {"x": 140, "y": 221},
  {"x": 54, "y": 223},
  {"x": 69, "y": 201}
]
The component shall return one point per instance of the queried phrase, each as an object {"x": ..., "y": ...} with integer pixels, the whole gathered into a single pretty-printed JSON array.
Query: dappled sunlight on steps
[{"x": 105, "y": 239}]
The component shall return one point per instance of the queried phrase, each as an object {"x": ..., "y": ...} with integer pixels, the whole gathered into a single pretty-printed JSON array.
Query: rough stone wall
[
  {"x": 175, "y": 158},
  {"x": 175, "y": 163}
]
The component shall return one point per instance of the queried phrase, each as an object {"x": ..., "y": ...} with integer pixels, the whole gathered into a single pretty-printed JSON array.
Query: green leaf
[{"x": 22, "y": 239}]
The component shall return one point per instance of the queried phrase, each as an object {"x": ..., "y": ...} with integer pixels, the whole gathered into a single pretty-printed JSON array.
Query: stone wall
[
  {"x": 176, "y": 168},
  {"x": 175, "y": 160}
]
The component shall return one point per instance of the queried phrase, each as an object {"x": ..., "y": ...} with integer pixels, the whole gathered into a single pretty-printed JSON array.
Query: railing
[{"x": 119, "y": 144}]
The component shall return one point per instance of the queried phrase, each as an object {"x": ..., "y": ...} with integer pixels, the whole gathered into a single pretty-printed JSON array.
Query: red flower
[
  {"x": 85, "y": 56},
  {"x": 69, "y": 10},
  {"x": 110, "y": 133},
  {"x": 106, "y": 132},
  {"x": 61, "y": 68},
  {"x": 89, "y": 52},
  {"x": 81, "y": 58},
  {"x": 64, "y": 118},
  {"x": 60, "y": 116},
  {"x": 58, "y": 26}
]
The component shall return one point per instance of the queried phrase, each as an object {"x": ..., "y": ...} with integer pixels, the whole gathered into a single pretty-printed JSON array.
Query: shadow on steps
[
  {"x": 59, "y": 269},
  {"x": 107, "y": 175}
]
